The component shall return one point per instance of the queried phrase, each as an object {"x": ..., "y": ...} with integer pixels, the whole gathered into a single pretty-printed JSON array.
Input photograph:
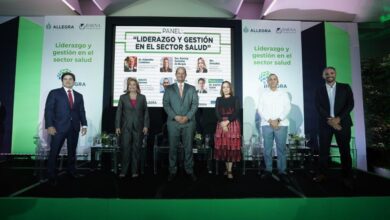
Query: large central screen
[{"x": 151, "y": 54}]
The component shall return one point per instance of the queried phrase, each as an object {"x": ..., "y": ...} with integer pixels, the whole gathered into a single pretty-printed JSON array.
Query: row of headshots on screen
[
  {"x": 200, "y": 84},
  {"x": 130, "y": 64}
]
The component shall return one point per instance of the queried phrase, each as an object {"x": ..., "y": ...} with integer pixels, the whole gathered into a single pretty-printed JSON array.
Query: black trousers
[
  {"x": 343, "y": 138},
  {"x": 57, "y": 140}
]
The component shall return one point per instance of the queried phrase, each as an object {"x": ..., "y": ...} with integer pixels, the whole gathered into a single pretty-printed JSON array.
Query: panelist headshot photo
[
  {"x": 201, "y": 66},
  {"x": 201, "y": 85},
  {"x": 130, "y": 64},
  {"x": 166, "y": 63},
  {"x": 164, "y": 83}
]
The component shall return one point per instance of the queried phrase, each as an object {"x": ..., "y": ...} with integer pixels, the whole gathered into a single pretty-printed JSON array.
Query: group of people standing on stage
[{"x": 65, "y": 116}]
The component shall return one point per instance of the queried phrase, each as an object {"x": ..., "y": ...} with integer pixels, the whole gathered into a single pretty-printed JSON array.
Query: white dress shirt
[
  {"x": 178, "y": 85},
  {"x": 182, "y": 84},
  {"x": 273, "y": 105},
  {"x": 331, "y": 95}
]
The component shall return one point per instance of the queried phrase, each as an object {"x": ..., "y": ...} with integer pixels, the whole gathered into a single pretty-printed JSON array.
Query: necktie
[
  {"x": 70, "y": 98},
  {"x": 181, "y": 89}
]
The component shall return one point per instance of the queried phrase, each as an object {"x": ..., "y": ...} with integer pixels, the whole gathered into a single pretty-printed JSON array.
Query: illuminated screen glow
[{"x": 151, "y": 54}]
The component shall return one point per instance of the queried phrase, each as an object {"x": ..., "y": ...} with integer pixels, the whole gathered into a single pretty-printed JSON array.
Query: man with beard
[
  {"x": 334, "y": 103},
  {"x": 274, "y": 107}
]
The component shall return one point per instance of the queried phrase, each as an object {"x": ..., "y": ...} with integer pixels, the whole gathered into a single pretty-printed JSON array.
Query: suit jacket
[
  {"x": 168, "y": 70},
  {"x": 129, "y": 117},
  {"x": 58, "y": 113},
  {"x": 127, "y": 69},
  {"x": 204, "y": 70},
  {"x": 175, "y": 105},
  {"x": 343, "y": 104}
]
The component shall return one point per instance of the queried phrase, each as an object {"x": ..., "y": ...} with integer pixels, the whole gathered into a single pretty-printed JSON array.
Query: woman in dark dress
[
  {"x": 227, "y": 146},
  {"x": 131, "y": 123}
]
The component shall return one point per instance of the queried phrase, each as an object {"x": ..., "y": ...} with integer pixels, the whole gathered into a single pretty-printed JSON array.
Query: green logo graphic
[
  {"x": 246, "y": 29},
  {"x": 263, "y": 76},
  {"x": 62, "y": 71},
  {"x": 48, "y": 26}
]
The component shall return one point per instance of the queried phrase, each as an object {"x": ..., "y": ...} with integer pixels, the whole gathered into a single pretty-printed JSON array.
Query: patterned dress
[{"x": 227, "y": 145}]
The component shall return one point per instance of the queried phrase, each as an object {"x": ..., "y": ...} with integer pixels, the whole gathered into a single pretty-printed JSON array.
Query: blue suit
[{"x": 67, "y": 123}]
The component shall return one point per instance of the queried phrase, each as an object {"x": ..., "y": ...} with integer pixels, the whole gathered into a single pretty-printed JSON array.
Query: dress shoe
[
  {"x": 171, "y": 177},
  {"x": 122, "y": 176},
  {"x": 135, "y": 175},
  {"x": 320, "y": 178},
  {"x": 266, "y": 175},
  {"x": 192, "y": 177}
]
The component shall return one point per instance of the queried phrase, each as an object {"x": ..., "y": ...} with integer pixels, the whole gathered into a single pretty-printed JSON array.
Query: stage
[
  {"x": 100, "y": 194},
  {"x": 19, "y": 179}
]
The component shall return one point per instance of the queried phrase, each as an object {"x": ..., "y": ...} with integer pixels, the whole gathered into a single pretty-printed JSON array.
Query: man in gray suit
[{"x": 180, "y": 102}]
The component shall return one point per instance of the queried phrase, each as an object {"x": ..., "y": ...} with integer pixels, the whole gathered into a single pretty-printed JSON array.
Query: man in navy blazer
[
  {"x": 64, "y": 117},
  {"x": 334, "y": 103}
]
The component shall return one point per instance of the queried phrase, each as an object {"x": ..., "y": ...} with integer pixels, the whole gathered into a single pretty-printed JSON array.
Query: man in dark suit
[
  {"x": 130, "y": 64},
  {"x": 64, "y": 116},
  {"x": 180, "y": 102},
  {"x": 201, "y": 85},
  {"x": 334, "y": 103}
]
